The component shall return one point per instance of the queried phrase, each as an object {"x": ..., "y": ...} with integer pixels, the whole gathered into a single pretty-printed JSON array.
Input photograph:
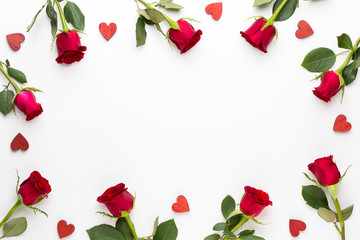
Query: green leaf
[
  {"x": 213, "y": 237},
  {"x": 144, "y": 13},
  {"x": 344, "y": 41},
  {"x": 165, "y": 1},
  {"x": 233, "y": 221},
  {"x": 227, "y": 206},
  {"x": 156, "y": 224},
  {"x": 51, "y": 13},
  {"x": 319, "y": 60},
  {"x": 261, "y": 2},
  {"x": 219, "y": 226},
  {"x": 287, "y": 11},
  {"x": 166, "y": 231},
  {"x": 123, "y": 227},
  {"x": 171, "y": 6},
  {"x": 229, "y": 234},
  {"x": 246, "y": 233},
  {"x": 156, "y": 16},
  {"x": 356, "y": 54},
  {"x": 349, "y": 73},
  {"x": 346, "y": 213},
  {"x": 104, "y": 232},
  {"x": 315, "y": 197},
  {"x": 17, "y": 75},
  {"x": 140, "y": 32},
  {"x": 326, "y": 214},
  {"x": 74, "y": 15},
  {"x": 34, "y": 19},
  {"x": 252, "y": 237},
  {"x": 6, "y": 104},
  {"x": 15, "y": 227}
]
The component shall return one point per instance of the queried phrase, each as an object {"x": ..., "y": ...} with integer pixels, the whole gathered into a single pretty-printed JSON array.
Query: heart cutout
[
  {"x": 181, "y": 205},
  {"x": 19, "y": 142},
  {"x": 107, "y": 30},
  {"x": 296, "y": 226},
  {"x": 14, "y": 40},
  {"x": 304, "y": 30},
  {"x": 341, "y": 125},
  {"x": 215, "y": 9},
  {"x": 65, "y": 229}
]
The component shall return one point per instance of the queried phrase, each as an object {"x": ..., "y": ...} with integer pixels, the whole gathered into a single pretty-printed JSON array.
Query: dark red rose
[
  {"x": 186, "y": 37},
  {"x": 329, "y": 86},
  {"x": 254, "y": 201},
  {"x": 325, "y": 171},
  {"x": 34, "y": 188},
  {"x": 69, "y": 48},
  {"x": 26, "y": 102},
  {"x": 117, "y": 199},
  {"x": 259, "y": 38}
]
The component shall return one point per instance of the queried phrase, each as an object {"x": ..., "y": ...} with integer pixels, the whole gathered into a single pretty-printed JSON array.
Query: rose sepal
[
  {"x": 343, "y": 175},
  {"x": 107, "y": 215},
  {"x": 313, "y": 180}
]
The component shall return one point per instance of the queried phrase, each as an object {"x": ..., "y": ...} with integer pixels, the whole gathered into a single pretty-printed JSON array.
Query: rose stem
[
  {"x": 341, "y": 220},
  {"x": 131, "y": 226},
  {"x": 274, "y": 16},
  {"x": 62, "y": 17},
  {"x": 17, "y": 89},
  {"x": 348, "y": 58},
  {"x": 12, "y": 210},
  {"x": 243, "y": 220}
]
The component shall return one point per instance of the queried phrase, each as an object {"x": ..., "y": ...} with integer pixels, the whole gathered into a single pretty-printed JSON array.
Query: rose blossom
[
  {"x": 259, "y": 38},
  {"x": 186, "y": 37},
  {"x": 26, "y": 102},
  {"x": 325, "y": 171},
  {"x": 254, "y": 201},
  {"x": 117, "y": 199},
  {"x": 69, "y": 48},
  {"x": 329, "y": 86},
  {"x": 34, "y": 188}
]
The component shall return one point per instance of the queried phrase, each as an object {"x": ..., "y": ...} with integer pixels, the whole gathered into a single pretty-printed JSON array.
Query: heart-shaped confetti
[
  {"x": 19, "y": 142},
  {"x": 341, "y": 125},
  {"x": 14, "y": 40},
  {"x": 304, "y": 30},
  {"x": 296, "y": 226},
  {"x": 215, "y": 9},
  {"x": 107, "y": 30},
  {"x": 65, "y": 229},
  {"x": 181, "y": 205}
]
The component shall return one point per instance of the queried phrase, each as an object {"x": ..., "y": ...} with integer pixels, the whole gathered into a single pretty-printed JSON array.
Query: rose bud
[
  {"x": 26, "y": 102},
  {"x": 34, "y": 189},
  {"x": 69, "y": 48},
  {"x": 186, "y": 37},
  {"x": 329, "y": 86},
  {"x": 117, "y": 199},
  {"x": 259, "y": 38},
  {"x": 325, "y": 171},
  {"x": 254, "y": 201}
]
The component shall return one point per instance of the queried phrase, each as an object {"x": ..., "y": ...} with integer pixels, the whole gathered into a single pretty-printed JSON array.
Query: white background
[{"x": 203, "y": 124}]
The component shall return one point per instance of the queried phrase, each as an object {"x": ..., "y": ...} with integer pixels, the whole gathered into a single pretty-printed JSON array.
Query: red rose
[
  {"x": 117, "y": 199},
  {"x": 26, "y": 102},
  {"x": 69, "y": 48},
  {"x": 186, "y": 37},
  {"x": 329, "y": 86},
  {"x": 254, "y": 201},
  {"x": 34, "y": 188},
  {"x": 259, "y": 38},
  {"x": 325, "y": 171}
]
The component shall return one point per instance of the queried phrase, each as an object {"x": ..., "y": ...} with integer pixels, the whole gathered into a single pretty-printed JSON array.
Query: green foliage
[
  {"x": 6, "y": 104},
  {"x": 326, "y": 214},
  {"x": 227, "y": 206},
  {"x": 15, "y": 227},
  {"x": 104, "y": 232},
  {"x": 74, "y": 15},
  {"x": 344, "y": 41},
  {"x": 168, "y": 4},
  {"x": 213, "y": 237},
  {"x": 155, "y": 15},
  {"x": 346, "y": 213},
  {"x": 319, "y": 60},
  {"x": 315, "y": 197},
  {"x": 123, "y": 227},
  {"x": 17, "y": 75},
  {"x": 51, "y": 13},
  {"x": 34, "y": 19},
  {"x": 258, "y": 3},
  {"x": 220, "y": 226},
  {"x": 287, "y": 11},
  {"x": 349, "y": 73},
  {"x": 140, "y": 32},
  {"x": 166, "y": 231}
]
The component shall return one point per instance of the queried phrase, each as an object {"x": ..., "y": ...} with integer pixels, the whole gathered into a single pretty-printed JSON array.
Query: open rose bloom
[
  {"x": 186, "y": 37},
  {"x": 69, "y": 48},
  {"x": 34, "y": 188},
  {"x": 254, "y": 201},
  {"x": 26, "y": 102}
]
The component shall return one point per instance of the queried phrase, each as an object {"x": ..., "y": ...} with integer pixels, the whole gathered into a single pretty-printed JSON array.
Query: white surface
[{"x": 203, "y": 124}]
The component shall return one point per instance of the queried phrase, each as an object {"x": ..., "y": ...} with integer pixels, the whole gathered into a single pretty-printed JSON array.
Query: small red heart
[
  {"x": 304, "y": 30},
  {"x": 19, "y": 142},
  {"x": 64, "y": 229},
  {"x": 181, "y": 205},
  {"x": 14, "y": 40},
  {"x": 341, "y": 125},
  {"x": 296, "y": 226},
  {"x": 215, "y": 9},
  {"x": 107, "y": 31}
]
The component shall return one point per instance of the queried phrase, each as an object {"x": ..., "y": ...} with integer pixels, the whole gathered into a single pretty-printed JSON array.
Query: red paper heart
[
  {"x": 215, "y": 9},
  {"x": 181, "y": 205},
  {"x": 296, "y": 226},
  {"x": 341, "y": 125},
  {"x": 14, "y": 40},
  {"x": 304, "y": 30},
  {"x": 19, "y": 142},
  {"x": 64, "y": 229},
  {"x": 107, "y": 31}
]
